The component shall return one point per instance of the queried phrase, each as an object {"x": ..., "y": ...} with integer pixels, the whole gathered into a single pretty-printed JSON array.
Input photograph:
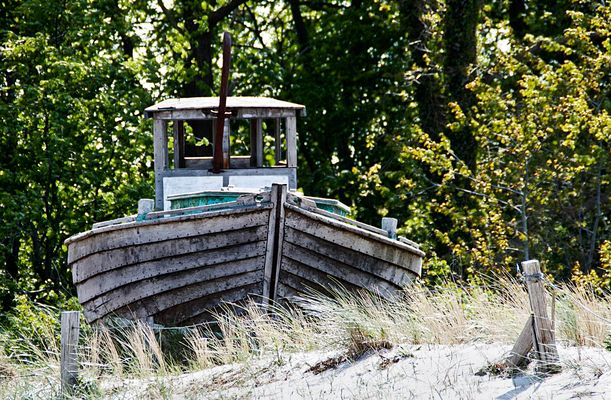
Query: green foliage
[
  {"x": 30, "y": 326},
  {"x": 73, "y": 148},
  {"x": 542, "y": 129},
  {"x": 486, "y": 159}
]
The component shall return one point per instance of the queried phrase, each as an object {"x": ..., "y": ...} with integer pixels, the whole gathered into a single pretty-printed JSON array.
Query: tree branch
[
  {"x": 319, "y": 5},
  {"x": 224, "y": 11},
  {"x": 300, "y": 27},
  {"x": 170, "y": 17}
]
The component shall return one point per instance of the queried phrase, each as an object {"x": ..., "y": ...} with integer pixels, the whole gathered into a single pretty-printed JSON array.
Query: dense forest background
[{"x": 482, "y": 125}]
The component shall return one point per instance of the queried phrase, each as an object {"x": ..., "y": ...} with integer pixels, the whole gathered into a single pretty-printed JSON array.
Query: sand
[{"x": 403, "y": 372}]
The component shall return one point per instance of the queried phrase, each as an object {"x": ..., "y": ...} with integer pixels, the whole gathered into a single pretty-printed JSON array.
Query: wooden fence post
[
  {"x": 69, "y": 348},
  {"x": 545, "y": 340},
  {"x": 517, "y": 358},
  {"x": 539, "y": 329}
]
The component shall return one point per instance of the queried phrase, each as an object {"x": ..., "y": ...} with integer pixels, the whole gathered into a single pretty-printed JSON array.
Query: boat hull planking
[{"x": 174, "y": 270}]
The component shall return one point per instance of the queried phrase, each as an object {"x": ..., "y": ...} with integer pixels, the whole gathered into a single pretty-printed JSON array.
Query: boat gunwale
[
  {"x": 234, "y": 209},
  {"x": 355, "y": 229}
]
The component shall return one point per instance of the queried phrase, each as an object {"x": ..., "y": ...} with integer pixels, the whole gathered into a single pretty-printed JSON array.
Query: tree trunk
[
  {"x": 300, "y": 27},
  {"x": 427, "y": 89},
  {"x": 517, "y": 8},
  {"x": 460, "y": 43}
]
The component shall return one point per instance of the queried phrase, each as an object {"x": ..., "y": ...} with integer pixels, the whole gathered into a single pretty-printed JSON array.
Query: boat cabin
[{"x": 259, "y": 145}]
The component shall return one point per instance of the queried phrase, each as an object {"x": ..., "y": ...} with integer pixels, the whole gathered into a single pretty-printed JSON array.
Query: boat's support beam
[
  {"x": 160, "y": 142},
  {"x": 275, "y": 238}
]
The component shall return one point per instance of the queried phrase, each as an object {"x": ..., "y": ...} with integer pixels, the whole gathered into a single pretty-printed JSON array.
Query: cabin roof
[{"x": 212, "y": 103}]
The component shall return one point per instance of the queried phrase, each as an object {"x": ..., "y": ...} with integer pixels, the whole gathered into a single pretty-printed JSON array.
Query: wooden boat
[
  {"x": 233, "y": 233},
  {"x": 226, "y": 244}
]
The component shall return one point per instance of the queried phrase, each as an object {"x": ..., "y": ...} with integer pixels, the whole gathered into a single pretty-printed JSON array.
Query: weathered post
[
  {"x": 539, "y": 329},
  {"x": 390, "y": 226},
  {"x": 145, "y": 206},
  {"x": 518, "y": 356},
  {"x": 544, "y": 340},
  {"x": 69, "y": 348}
]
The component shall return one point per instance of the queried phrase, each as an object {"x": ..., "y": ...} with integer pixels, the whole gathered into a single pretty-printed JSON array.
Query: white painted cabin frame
[{"x": 244, "y": 170}]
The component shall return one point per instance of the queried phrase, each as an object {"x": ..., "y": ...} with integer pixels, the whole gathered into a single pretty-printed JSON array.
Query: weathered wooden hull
[
  {"x": 316, "y": 247},
  {"x": 170, "y": 269},
  {"x": 173, "y": 269}
]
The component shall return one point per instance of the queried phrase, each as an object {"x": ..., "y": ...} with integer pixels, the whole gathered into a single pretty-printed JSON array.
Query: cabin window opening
[
  {"x": 274, "y": 143},
  {"x": 253, "y": 143},
  {"x": 239, "y": 143},
  {"x": 190, "y": 144},
  {"x": 198, "y": 138}
]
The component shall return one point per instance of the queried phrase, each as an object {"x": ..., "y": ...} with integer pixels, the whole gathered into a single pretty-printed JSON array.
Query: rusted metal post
[{"x": 219, "y": 161}]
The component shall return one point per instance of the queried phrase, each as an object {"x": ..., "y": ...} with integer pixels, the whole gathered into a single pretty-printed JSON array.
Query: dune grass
[{"x": 353, "y": 324}]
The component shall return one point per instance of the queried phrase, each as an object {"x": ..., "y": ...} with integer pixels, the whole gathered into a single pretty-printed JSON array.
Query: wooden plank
[
  {"x": 185, "y": 115},
  {"x": 338, "y": 223},
  {"x": 145, "y": 206},
  {"x": 205, "y": 163},
  {"x": 315, "y": 282},
  {"x": 198, "y": 310},
  {"x": 108, "y": 260},
  {"x": 260, "y": 144},
  {"x": 212, "y": 104},
  {"x": 226, "y": 145},
  {"x": 179, "y": 144},
  {"x": 69, "y": 351},
  {"x": 114, "y": 278},
  {"x": 264, "y": 113},
  {"x": 241, "y": 201},
  {"x": 544, "y": 334},
  {"x": 160, "y": 155},
  {"x": 275, "y": 239},
  {"x": 390, "y": 226},
  {"x": 253, "y": 143},
  {"x": 223, "y": 275},
  {"x": 327, "y": 267},
  {"x": 405, "y": 240},
  {"x": 245, "y": 113},
  {"x": 116, "y": 221},
  {"x": 518, "y": 357},
  {"x": 166, "y": 229},
  {"x": 362, "y": 263},
  {"x": 354, "y": 238},
  {"x": 308, "y": 204},
  {"x": 293, "y": 179},
  {"x": 277, "y": 140},
  {"x": 151, "y": 306},
  {"x": 312, "y": 277},
  {"x": 298, "y": 285},
  {"x": 285, "y": 292},
  {"x": 287, "y": 171},
  {"x": 291, "y": 142}
]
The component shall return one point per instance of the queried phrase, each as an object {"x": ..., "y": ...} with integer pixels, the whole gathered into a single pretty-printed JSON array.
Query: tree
[
  {"x": 73, "y": 150},
  {"x": 542, "y": 130}
]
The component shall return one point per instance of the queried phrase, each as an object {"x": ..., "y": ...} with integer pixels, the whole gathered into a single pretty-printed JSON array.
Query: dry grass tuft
[
  {"x": 351, "y": 324},
  {"x": 583, "y": 318}
]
